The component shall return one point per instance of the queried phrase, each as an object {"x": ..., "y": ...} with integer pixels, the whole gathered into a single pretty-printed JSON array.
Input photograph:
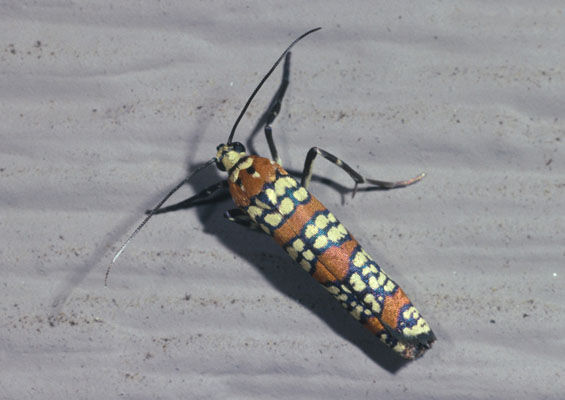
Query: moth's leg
[
  {"x": 314, "y": 151},
  {"x": 239, "y": 217},
  {"x": 203, "y": 195},
  {"x": 275, "y": 108}
]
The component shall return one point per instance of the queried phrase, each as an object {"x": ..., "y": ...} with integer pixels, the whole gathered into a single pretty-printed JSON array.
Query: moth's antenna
[
  {"x": 185, "y": 180},
  {"x": 263, "y": 81}
]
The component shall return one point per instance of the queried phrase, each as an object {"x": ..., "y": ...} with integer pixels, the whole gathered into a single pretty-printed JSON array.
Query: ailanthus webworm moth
[{"x": 270, "y": 199}]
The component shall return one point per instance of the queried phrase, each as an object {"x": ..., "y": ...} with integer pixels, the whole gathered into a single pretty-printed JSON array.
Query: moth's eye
[{"x": 238, "y": 147}]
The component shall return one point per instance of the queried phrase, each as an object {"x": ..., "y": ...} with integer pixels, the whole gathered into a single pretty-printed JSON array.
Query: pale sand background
[{"x": 105, "y": 105}]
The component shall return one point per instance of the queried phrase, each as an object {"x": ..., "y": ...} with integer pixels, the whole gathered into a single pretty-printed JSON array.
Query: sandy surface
[{"x": 105, "y": 106}]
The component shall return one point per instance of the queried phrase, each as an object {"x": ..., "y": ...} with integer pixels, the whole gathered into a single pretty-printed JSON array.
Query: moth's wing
[{"x": 314, "y": 238}]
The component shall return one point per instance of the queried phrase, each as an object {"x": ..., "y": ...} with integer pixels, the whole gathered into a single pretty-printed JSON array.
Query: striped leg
[
  {"x": 275, "y": 108},
  {"x": 210, "y": 190},
  {"x": 314, "y": 151},
  {"x": 239, "y": 217}
]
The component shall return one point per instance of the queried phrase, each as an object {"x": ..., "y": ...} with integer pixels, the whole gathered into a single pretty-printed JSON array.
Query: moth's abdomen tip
[{"x": 419, "y": 346}]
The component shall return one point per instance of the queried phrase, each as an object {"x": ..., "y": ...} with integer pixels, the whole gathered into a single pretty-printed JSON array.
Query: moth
[{"x": 268, "y": 198}]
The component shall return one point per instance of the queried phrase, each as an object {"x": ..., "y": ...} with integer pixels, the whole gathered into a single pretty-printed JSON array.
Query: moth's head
[{"x": 228, "y": 155}]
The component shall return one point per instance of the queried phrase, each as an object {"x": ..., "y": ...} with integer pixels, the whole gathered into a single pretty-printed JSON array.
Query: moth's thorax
[{"x": 248, "y": 176}]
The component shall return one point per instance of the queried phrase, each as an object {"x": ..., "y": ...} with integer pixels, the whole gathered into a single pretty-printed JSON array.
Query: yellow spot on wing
[
  {"x": 298, "y": 244},
  {"x": 335, "y": 234},
  {"x": 371, "y": 302},
  {"x": 301, "y": 194},
  {"x": 373, "y": 283},
  {"x": 308, "y": 255},
  {"x": 273, "y": 219},
  {"x": 359, "y": 259},
  {"x": 321, "y": 221},
  {"x": 381, "y": 279},
  {"x": 389, "y": 287},
  {"x": 254, "y": 212},
  {"x": 321, "y": 242},
  {"x": 271, "y": 196},
  {"x": 311, "y": 230},
  {"x": 286, "y": 206},
  {"x": 357, "y": 283},
  {"x": 356, "y": 312}
]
